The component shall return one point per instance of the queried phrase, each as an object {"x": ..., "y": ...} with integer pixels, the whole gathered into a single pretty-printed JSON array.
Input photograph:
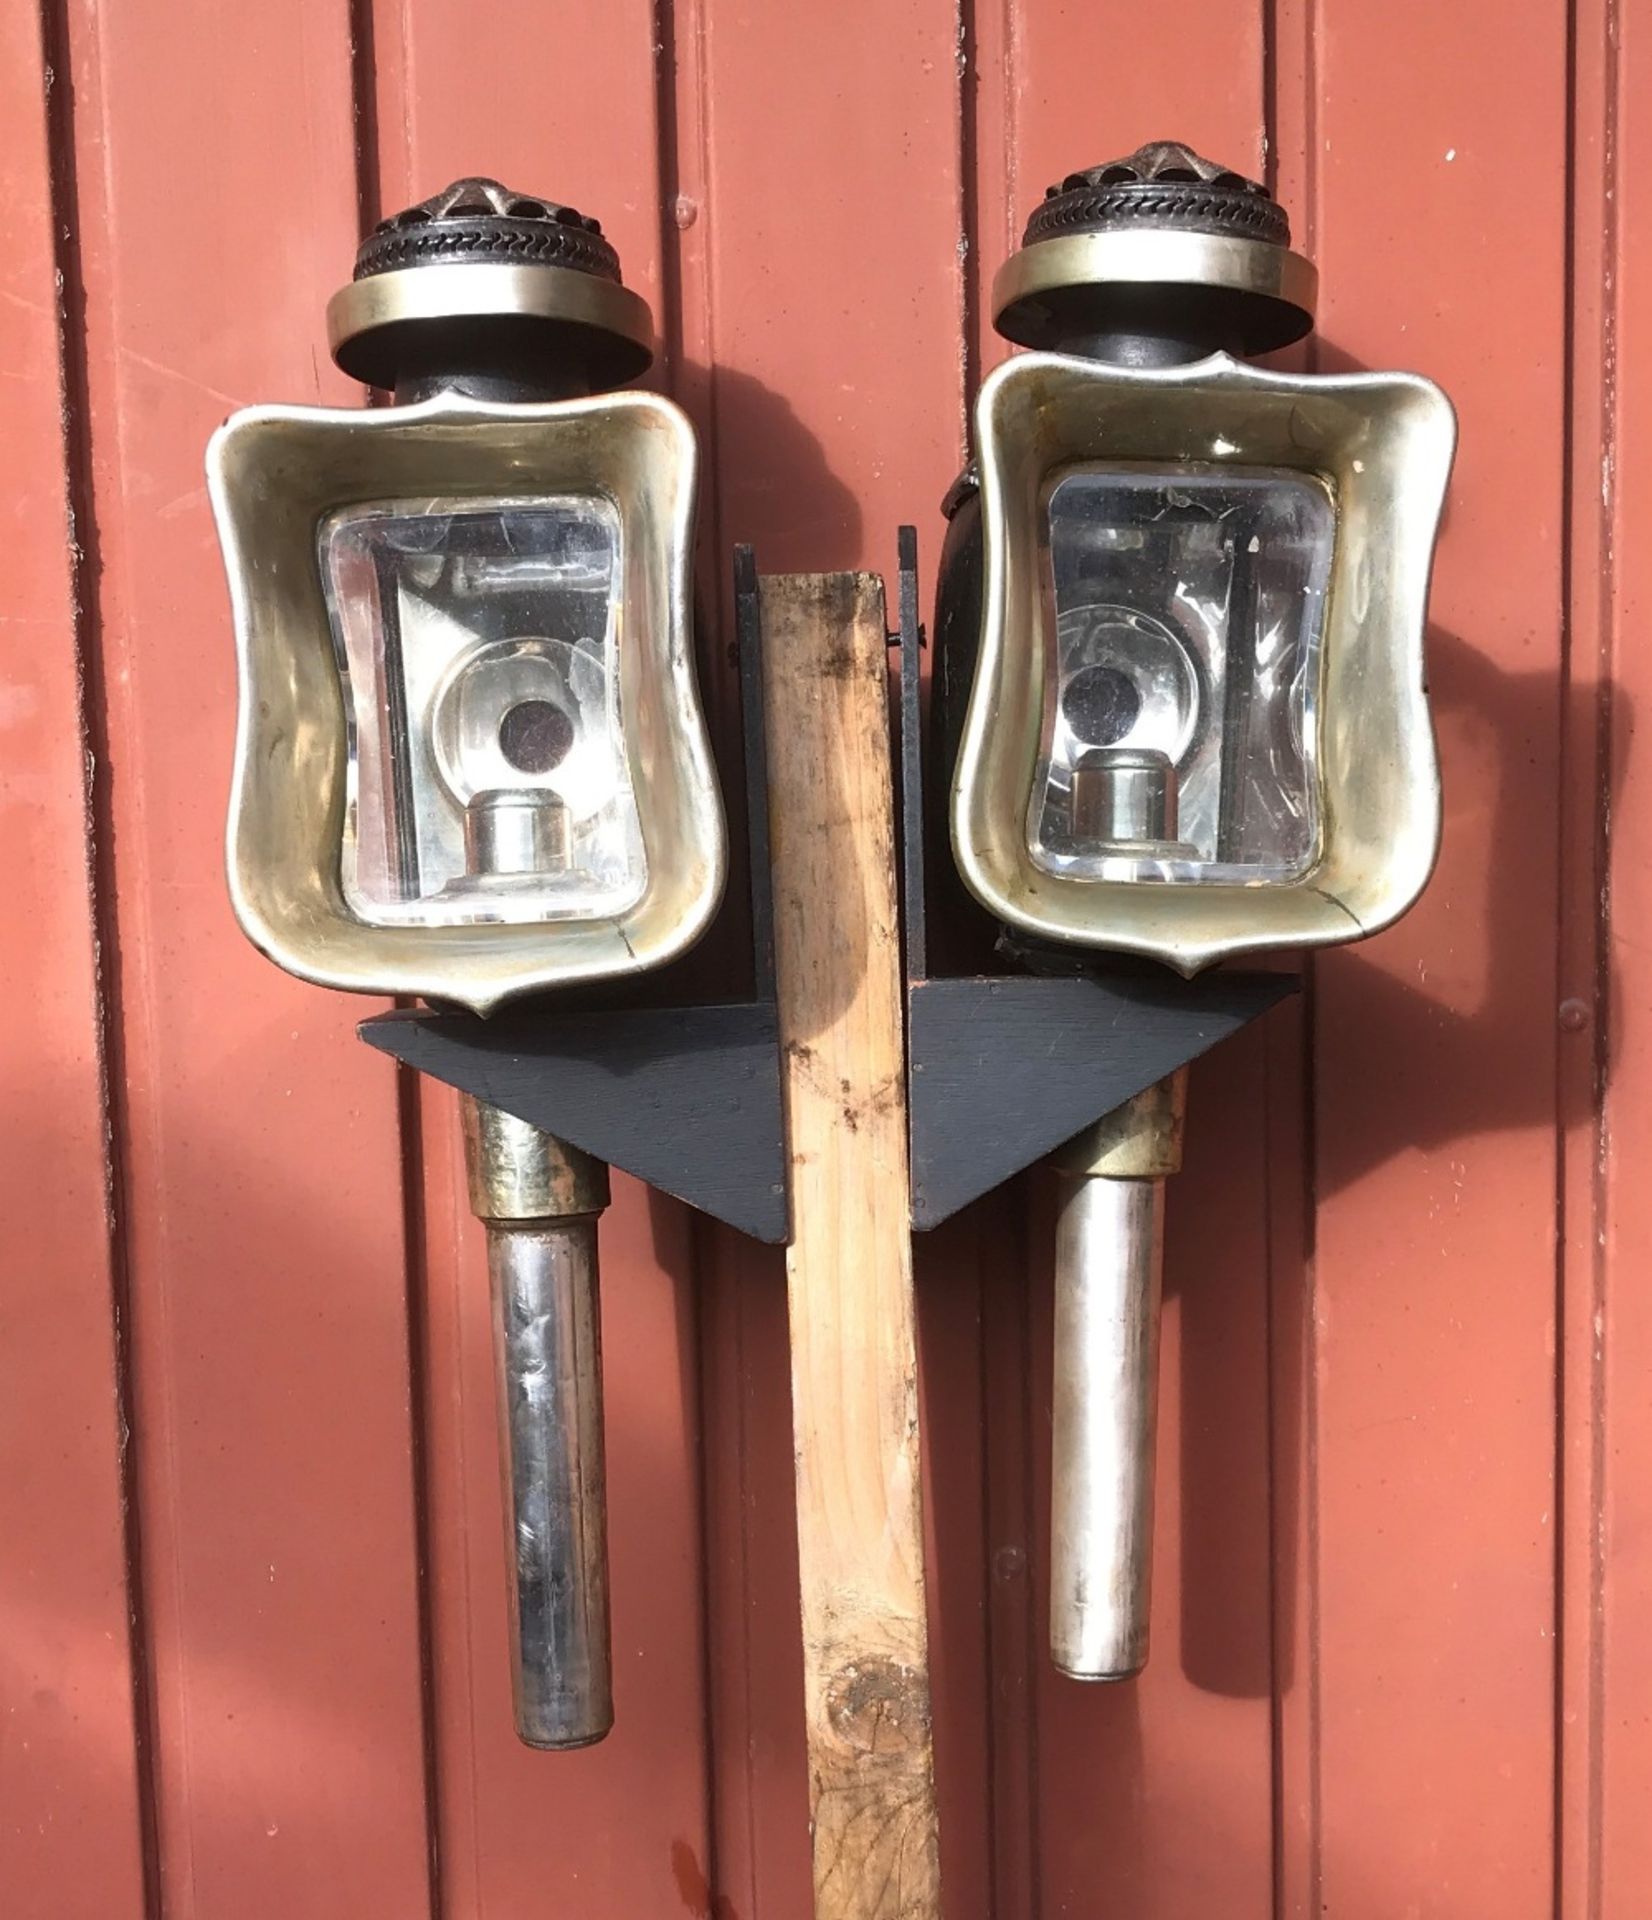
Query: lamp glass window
[
  {"x": 1183, "y": 612},
  {"x": 478, "y": 645}
]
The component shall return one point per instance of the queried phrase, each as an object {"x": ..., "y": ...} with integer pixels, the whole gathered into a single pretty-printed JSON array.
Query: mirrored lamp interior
[
  {"x": 1183, "y": 613},
  {"x": 487, "y": 779}
]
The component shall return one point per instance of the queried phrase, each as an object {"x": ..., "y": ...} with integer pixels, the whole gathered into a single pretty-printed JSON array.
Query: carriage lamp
[
  {"x": 1180, "y": 631},
  {"x": 470, "y": 762}
]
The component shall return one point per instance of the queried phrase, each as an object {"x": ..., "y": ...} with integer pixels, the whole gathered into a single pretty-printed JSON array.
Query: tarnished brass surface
[
  {"x": 518, "y": 1173},
  {"x": 486, "y": 289},
  {"x": 274, "y": 473},
  {"x": 1142, "y": 1140},
  {"x": 1151, "y": 256},
  {"x": 1382, "y": 443}
]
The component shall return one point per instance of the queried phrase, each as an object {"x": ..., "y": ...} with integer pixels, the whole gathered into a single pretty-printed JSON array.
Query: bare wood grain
[{"x": 849, "y": 1269}]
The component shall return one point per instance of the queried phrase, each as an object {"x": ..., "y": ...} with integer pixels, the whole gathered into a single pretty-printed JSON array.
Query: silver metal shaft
[
  {"x": 548, "y": 1349},
  {"x": 1109, "y": 1262},
  {"x": 540, "y": 1200}
]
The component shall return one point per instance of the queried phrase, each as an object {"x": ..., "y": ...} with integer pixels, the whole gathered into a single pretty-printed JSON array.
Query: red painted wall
[{"x": 251, "y": 1645}]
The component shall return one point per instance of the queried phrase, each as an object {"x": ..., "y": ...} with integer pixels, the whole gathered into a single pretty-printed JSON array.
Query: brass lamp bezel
[
  {"x": 1383, "y": 442},
  {"x": 274, "y": 473},
  {"x": 1280, "y": 288}
]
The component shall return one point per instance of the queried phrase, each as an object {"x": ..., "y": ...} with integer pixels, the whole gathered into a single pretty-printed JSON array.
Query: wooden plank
[
  {"x": 849, "y": 1274},
  {"x": 552, "y": 103},
  {"x": 1434, "y": 1141},
  {"x": 814, "y": 257},
  {"x": 258, "y": 1140},
  {"x": 1155, "y": 1796},
  {"x": 70, "y": 1781}
]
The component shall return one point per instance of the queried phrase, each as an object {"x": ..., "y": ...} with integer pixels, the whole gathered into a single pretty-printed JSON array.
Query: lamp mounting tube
[
  {"x": 540, "y": 1200},
  {"x": 1109, "y": 1269}
]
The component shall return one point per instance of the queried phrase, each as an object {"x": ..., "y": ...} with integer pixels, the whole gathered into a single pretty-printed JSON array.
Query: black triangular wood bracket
[
  {"x": 686, "y": 1098},
  {"x": 1004, "y": 1070}
]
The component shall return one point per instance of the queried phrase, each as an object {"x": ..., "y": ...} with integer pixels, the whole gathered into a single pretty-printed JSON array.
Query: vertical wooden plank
[
  {"x": 1436, "y": 1064},
  {"x": 571, "y": 113},
  {"x": 849, "y": 1268},
  {"x": 70, "y": 1783},
  {"x": 1155, "y": 1795},
  {"x": 259, "y": 1143},
  {"x": 816, "y": 226}
]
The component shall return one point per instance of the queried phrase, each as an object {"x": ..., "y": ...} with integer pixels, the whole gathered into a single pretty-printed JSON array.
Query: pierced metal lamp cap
[
  {"x": 478, "y": 269},
  {"x": 478, "y": 219},
  {"x": 1164, "y": 185},
  {"x": 1161, "y": 240}
]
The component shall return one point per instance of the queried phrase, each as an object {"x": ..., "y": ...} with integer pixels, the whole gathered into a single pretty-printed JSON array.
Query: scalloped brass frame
[
  {"x": 274, "y": 473},
  {"x": 1383, "y": 442}
]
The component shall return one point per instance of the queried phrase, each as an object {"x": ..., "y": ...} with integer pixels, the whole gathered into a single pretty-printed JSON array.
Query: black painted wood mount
[
  {"x": 686, "y": 1098},
  {"x": 1003, "y": 1069}
]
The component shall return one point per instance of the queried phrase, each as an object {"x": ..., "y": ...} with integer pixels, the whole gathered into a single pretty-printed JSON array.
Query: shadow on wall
[
  {"x": 772, "y": 482},
  {"x": 1479, "y": 1033},
  {"x": 1479, "y": 1013},
  {"x": 764, "y": 481}
]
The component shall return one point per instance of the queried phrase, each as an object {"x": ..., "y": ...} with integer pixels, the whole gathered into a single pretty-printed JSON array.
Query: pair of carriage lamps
[{"x": 1179, "y": 702}]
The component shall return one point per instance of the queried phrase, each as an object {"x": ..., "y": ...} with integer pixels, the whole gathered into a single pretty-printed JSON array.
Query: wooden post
[{"x": 849, "y": 1267}]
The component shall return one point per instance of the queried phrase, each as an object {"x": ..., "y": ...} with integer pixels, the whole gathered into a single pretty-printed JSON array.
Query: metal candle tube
[
  {"x": 540, "y": 1200},
  {"x": 1108, "y": 1269}
]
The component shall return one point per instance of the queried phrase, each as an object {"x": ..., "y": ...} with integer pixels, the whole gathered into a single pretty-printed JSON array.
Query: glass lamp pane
[
  {"x": 477, "y": 642},
  {"x": 1182, "y": 618}
]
